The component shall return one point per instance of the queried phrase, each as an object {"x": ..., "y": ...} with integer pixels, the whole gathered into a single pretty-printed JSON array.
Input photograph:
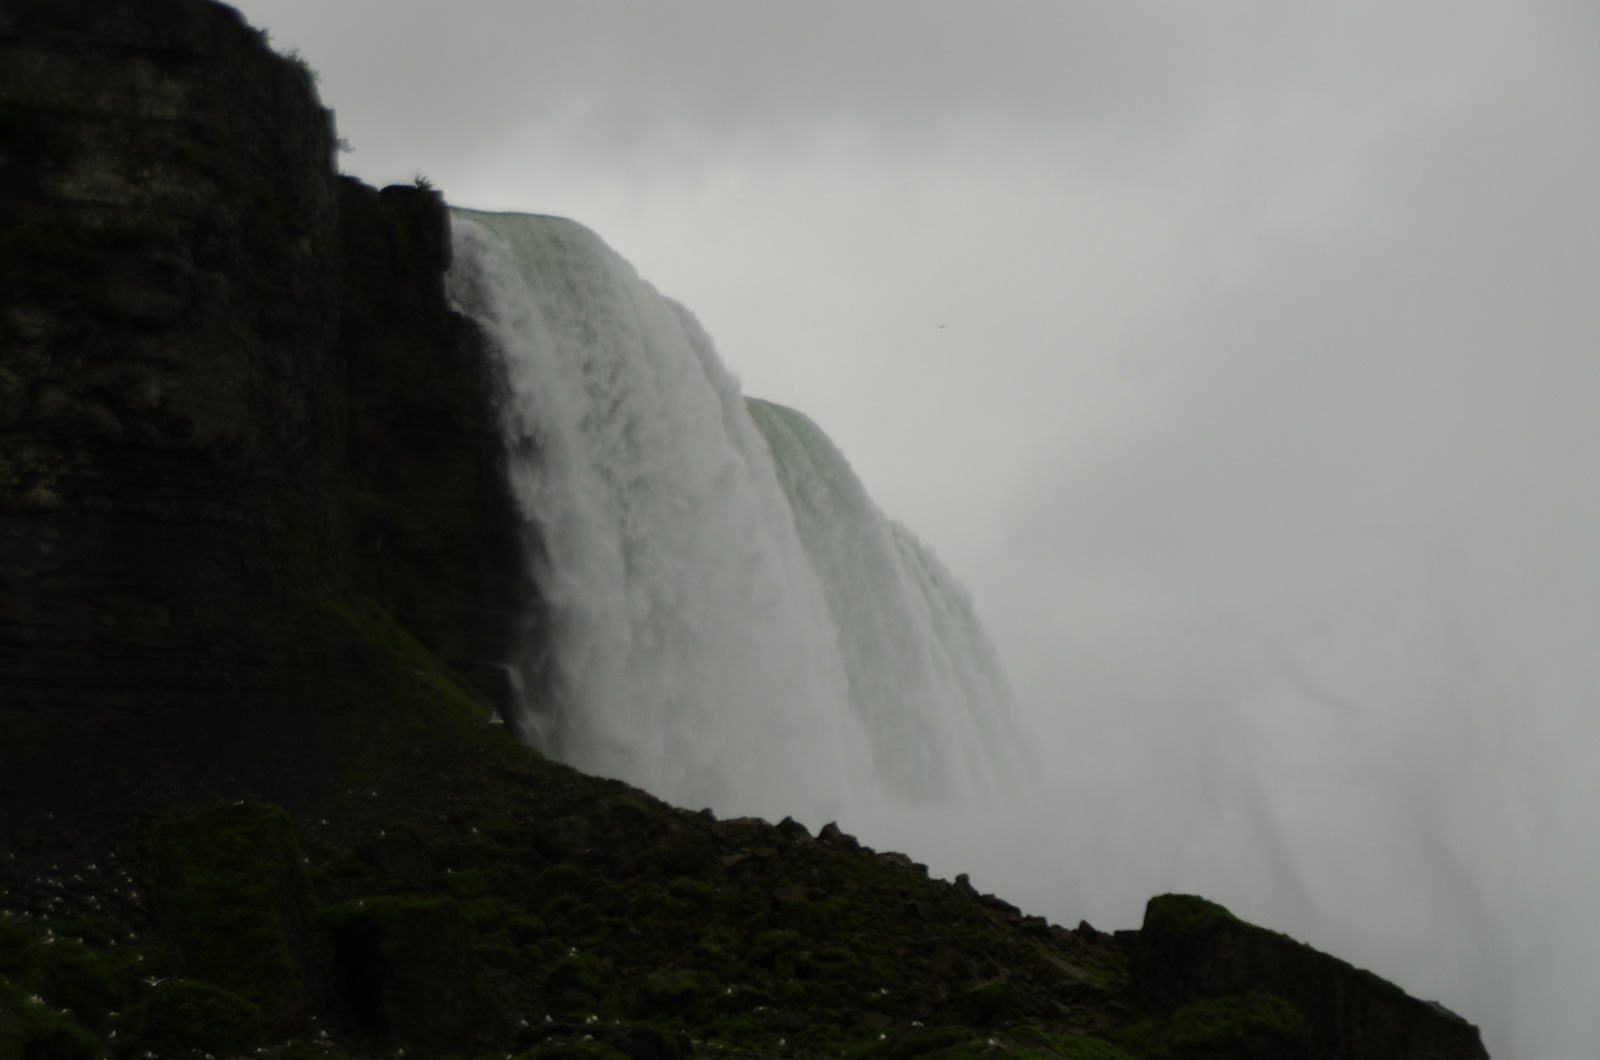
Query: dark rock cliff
[
  {"x": 437, "y": 541},
  {"x": 256, "y": 544},
  {"x": 1190, "y": 950},
  {"x": 169, "y": 278},
  {"x": 231, "y": 390}
]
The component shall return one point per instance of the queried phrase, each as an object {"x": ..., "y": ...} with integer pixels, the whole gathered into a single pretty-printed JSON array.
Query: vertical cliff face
[
  {"x": 168, "y": 284},
  {"x": 231, "y": 394},
  {"x": 435, "y": 535}
]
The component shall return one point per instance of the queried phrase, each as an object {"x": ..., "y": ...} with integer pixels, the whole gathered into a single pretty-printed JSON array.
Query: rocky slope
[
  {"x": 257, "y": 562},
  {"x": 459, "y": 895}
]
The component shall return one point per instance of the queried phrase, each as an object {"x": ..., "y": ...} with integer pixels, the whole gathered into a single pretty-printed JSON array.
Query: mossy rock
[
  {"x": 576, "y": 981},
  {"x": 406, "y": 968},
  {"x": 933, "y": 1043},
  {"x": 81, "y": 978},
  {"x": 70, "y": 975},
  {"x": 1078, "y": 1048},
  {"x": 181, "y": 1015},
  {"x": 773, "y": 948},
  {"x": 526, "y": 930},
  {"x": 1183, "y": 912},
  {"x": 30, "y": 1029},
  {"x": 309, "y": 1051},
  {"x": 564, "y": 879},
  {"x": 574, "y": 1049},
  {"x": 236, "y": 907},
  {"x": 608, "y": 1041},
  {"x": 1251, "y": 1026},
  {"x": 963, "y": 1043},
  {"x": 992, "y": 1000},
  {"x": 676, "y": 993}
]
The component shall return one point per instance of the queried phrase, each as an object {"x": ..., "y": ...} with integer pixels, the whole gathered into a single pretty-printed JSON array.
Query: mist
[{"x": 1260, "y": 425}]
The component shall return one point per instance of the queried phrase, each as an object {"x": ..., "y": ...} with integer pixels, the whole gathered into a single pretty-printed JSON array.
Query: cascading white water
[
  {"x": 724, "y": 630},
  {"x": 923, "y": 676}
]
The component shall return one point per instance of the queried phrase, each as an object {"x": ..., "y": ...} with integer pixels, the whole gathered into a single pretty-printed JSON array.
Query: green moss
[
  {"x": 301, "y": 1050},
  {"x": 1081, "y": 1048},
  {"x": 989, "y": 1001},
  {"x": 81, "y": 978},
  {"x": 961, "y": 1043},
  {"x": 421, "y": 701},
  {"x": 32, "y": 1029},
  {"x": 180, "y": 1015},
  {"x": 718, "y": 946},
  {"x": 564, "y": 879},
  {"x": 526, "y": 930},
  {"x": 47, "y": 961},
  {"x": 575, "y": 974},
  {"x": 236, "y": 906},
  {"x": 574, "y": 1050},
  {"x": 1182, "y": 912},
  {"x": 679, "y": 992},
  {"x": 1230, "y": 1028},
  {"x": 631, "y": 811}
]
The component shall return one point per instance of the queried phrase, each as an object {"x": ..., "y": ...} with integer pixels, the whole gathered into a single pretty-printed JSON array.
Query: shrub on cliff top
[{"x": 1182, "y": 912}]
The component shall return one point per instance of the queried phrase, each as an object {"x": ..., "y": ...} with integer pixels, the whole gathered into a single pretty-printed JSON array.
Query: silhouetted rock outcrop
[{"x": 1191, "y": 950}]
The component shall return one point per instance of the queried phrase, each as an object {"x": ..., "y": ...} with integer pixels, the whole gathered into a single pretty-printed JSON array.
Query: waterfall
[
  {"x": 732, "y": 622},
  {"x": 924, "y": 679}
]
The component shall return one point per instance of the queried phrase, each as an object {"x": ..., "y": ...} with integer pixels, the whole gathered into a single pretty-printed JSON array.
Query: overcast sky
[{"x": 1263, "y": 424}]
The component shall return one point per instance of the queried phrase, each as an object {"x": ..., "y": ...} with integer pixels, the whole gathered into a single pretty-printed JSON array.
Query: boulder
[{"x": 237, "y": 910}]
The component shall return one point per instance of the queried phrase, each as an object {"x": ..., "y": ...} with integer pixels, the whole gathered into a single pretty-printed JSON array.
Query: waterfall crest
[{"x": 726, "y": 628}]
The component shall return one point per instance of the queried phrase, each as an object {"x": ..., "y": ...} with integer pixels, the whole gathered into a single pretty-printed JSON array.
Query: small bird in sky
[{"x": 941, "y": 326}]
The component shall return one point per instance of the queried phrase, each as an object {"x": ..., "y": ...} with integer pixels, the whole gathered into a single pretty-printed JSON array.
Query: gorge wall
[{"x": 231, "y": 392}]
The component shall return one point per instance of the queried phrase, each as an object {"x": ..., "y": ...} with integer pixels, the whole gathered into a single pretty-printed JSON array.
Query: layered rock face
[
  {"x": 170, "y": 323},
  {"x": 230, "y": 390}
]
